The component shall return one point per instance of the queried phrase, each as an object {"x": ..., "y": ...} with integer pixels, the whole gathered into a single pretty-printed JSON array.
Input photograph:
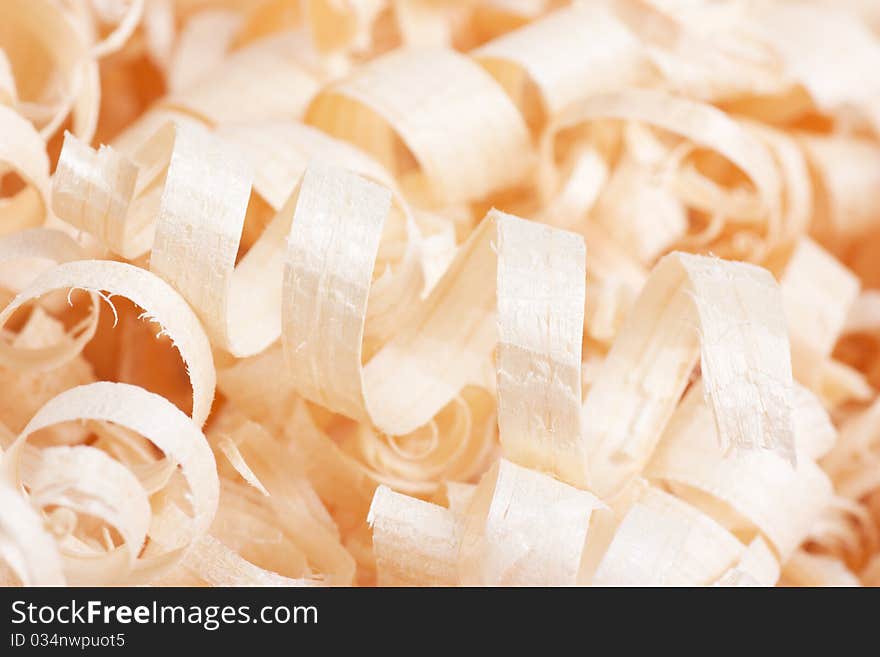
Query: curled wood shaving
[
  {"x": 158, "y": 300},
  {"x": 691, "y": 307},
  {"x": 386, "y": 109},
  {"x": 51, "y": 33},
  {"x": 149, "y": 415},
  {"x": 592, "y": 52},
  {"x": 312, "y": 305},
  {"x": 498, "y": 292}
]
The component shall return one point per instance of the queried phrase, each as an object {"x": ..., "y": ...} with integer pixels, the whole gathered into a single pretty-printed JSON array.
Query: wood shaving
[{"x": 439, "y": 293}]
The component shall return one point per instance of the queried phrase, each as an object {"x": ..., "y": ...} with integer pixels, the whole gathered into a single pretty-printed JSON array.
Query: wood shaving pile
[{"x": 439, "y": 292}]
